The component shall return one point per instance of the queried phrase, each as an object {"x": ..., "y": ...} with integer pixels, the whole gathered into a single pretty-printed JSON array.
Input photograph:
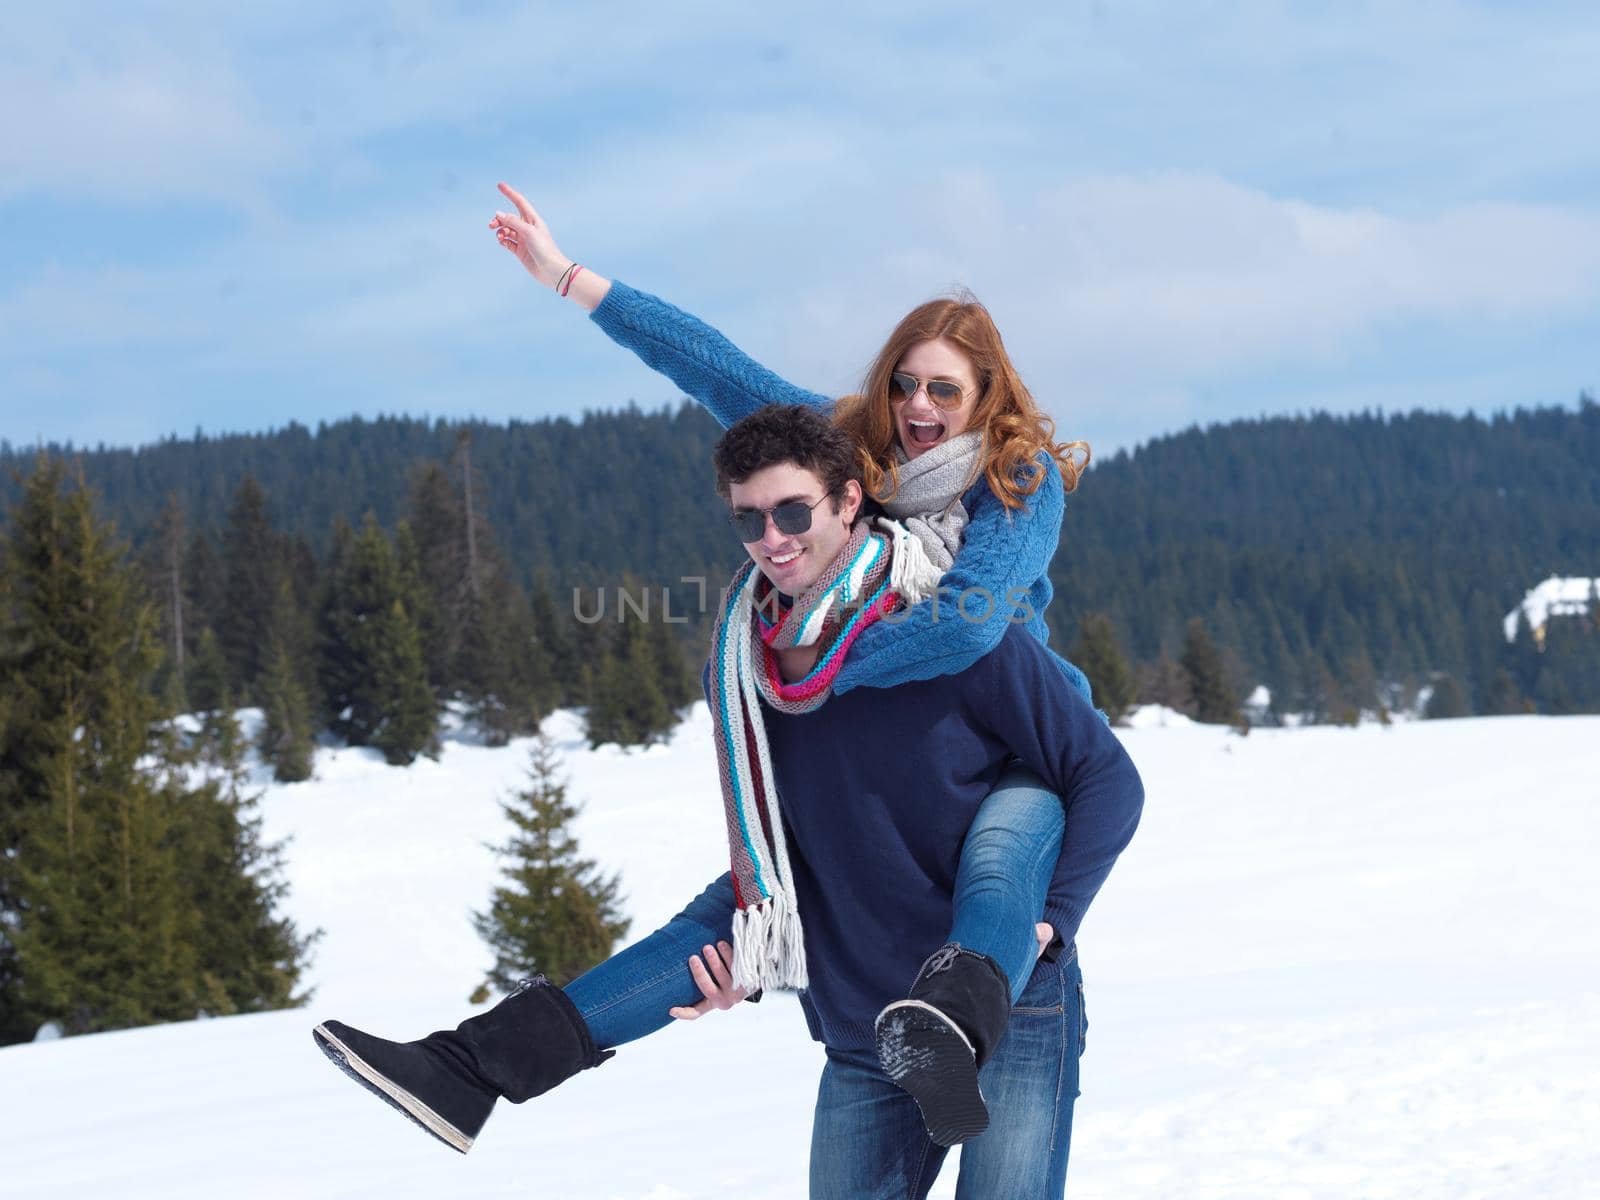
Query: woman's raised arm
[
  {"x": 527, "y": 237},
  {"x": 707, "y": 366}
]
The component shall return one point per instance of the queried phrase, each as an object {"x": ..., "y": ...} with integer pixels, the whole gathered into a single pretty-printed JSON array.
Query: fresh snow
[
  {"x": 1334, "y": 963},
  {"x": 1555, "y": 597}
]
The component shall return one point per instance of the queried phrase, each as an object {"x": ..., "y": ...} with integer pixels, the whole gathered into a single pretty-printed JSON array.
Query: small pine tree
[
  {"x": 409, "y": 714},
  {"x": 253, "y": 555},
  {"x": 555, "y": 915},
  {"x": 250, "y": 956},
  {"x": 285, "y": 739},
  {"x": 563, "y": 664},
  {"x": 673, "y": 676},
  {"x": 1100, "y": 658},
  {"x": 374, "y": 676},
  {"x": 1215, "y": 701},
  {"x": 1166, "y": 683},
  {"x": 627, "y": 706},
  {"x": 1504, "y": 695},
  {"x": 1449, "y": 699},
  {"x": 207, "y": 683}
]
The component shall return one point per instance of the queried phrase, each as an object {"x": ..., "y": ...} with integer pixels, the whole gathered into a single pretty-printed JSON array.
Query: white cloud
[
  {"x": 133, "y": 118},
  {"x": 1184, "y": 281}
]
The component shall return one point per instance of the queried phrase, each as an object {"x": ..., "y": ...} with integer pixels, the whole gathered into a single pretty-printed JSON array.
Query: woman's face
[{"x": 919, "y": 422}]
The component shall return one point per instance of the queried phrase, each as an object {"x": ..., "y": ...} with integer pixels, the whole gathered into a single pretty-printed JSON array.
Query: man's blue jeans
[{"x": 868, "y": 1141}]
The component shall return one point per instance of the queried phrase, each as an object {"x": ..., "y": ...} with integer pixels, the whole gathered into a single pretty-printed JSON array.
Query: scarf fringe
[
  {"x": 912, "y": 573},
  {"x": 768, "y": 946}
]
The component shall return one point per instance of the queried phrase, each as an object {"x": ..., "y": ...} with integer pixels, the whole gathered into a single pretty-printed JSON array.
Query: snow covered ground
[{"x": 1334, "y": 963}]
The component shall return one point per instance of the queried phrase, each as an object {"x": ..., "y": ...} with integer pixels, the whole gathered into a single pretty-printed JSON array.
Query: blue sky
[{"x": 1178, "y": 213}]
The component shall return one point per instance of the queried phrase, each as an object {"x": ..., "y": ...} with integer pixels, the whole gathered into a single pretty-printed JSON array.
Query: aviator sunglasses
[
  {"x": 942, "y": 392},
  {"x": 791, "y": 517}
]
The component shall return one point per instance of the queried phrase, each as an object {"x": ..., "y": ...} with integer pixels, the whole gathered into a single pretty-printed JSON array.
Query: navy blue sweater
[{"x": 878, "y": 788}]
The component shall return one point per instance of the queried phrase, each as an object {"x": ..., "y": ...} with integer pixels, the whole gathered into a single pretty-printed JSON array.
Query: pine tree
[
  {"x": 249, "y": 958},
  {"x": 1504, "y": 696},
  {"x": 252, "y": 553},
  {"x": 409, "y": 715},
  {"x": 97, "y": 918},
  {"x": 1215, "y": 700},
  {"x": 676, "y": 681},
  {"x": 14, "y": 806},
  {"x": 627, "y": 706},
  {"x": 558, "y": 649},
  {"x": 164, "y": 571},
  {"x": 208, "y": 688},
  {"x": 435, "y": 521},
  {"x": 531, "y": 689},
  {"x": 421, "y": 603},
  {"x": 204, "y": 589},
  {"x": 286, "y": 738},
  {"x": 1317, "y": 692},
  {"x": 1448, "y": 700},
  {"x": 375, "y": 678},
  {"x": 1166, "y": 683},
  {"x": 555, "y": 915},
  {"x": 1098, "y": 656}
]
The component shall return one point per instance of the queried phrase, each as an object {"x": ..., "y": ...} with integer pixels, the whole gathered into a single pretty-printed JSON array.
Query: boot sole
[
  {"x": 352, "y": 1064},
  {"x": 926, "y": 1054}
]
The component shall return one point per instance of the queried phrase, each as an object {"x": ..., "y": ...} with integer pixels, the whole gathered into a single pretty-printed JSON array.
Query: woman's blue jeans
[
  {"x": 627, "y": 996},
  {"x": 1004, "y": 874}
]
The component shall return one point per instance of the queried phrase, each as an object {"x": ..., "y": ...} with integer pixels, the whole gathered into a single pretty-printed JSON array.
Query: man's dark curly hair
[{"x": 786, "y": 433}]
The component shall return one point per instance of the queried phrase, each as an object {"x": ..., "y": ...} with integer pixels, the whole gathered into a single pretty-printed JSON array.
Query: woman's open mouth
[{"x": 925, "y": 433}]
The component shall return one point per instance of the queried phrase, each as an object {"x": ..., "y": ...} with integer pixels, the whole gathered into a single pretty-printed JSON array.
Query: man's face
[{"x": 793, "y": 561}]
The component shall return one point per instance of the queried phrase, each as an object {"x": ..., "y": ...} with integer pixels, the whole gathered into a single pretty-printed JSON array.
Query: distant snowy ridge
[{"x": 1555, "y": 597}]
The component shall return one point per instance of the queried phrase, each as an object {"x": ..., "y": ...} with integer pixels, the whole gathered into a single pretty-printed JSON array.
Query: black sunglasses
[
  {"x": 942, "y": 392},
  {"x": 792, "y": 516}
]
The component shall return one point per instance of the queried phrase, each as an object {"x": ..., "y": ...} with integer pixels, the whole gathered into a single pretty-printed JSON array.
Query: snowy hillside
[{"x": 1334, "y": 963}]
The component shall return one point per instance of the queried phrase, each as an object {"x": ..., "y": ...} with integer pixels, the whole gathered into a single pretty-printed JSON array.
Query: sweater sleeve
[
  {"x": 995, "y": 576},
  {"x": 707, "y": 366},
  {"x": 1028, "y": 703}
]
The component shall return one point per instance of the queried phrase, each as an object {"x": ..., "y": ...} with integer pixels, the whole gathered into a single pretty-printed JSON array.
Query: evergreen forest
[{"x": 1350, "y": 564}]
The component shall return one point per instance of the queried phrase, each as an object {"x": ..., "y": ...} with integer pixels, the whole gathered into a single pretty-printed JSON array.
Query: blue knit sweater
[{"x": 1002, "y": 550}]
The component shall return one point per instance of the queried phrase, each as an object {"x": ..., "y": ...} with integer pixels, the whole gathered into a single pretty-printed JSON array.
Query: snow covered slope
[{"x": 1334, "y": 963}]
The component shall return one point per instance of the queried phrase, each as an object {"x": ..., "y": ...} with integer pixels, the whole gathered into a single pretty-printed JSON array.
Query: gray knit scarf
[{"x": 928, "y": 501}]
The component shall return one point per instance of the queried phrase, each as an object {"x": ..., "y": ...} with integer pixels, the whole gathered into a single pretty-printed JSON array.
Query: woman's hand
[
  {"x": 1046, "y": 933},
  {"x": 528, "y": 237},
  {"x": 716, "y": 985}
]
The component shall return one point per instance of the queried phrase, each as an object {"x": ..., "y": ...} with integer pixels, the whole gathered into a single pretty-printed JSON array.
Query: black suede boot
[
  {"x": 449, "y": 1081},
  {"x": 933, "y": 1043}
]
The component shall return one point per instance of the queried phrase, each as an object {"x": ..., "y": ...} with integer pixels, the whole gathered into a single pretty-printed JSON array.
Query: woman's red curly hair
[{"x": 1015, "y": 431}]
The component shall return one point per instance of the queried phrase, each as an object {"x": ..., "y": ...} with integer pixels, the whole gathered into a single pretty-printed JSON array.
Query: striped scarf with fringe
[{"x": 857, "y": 589}]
